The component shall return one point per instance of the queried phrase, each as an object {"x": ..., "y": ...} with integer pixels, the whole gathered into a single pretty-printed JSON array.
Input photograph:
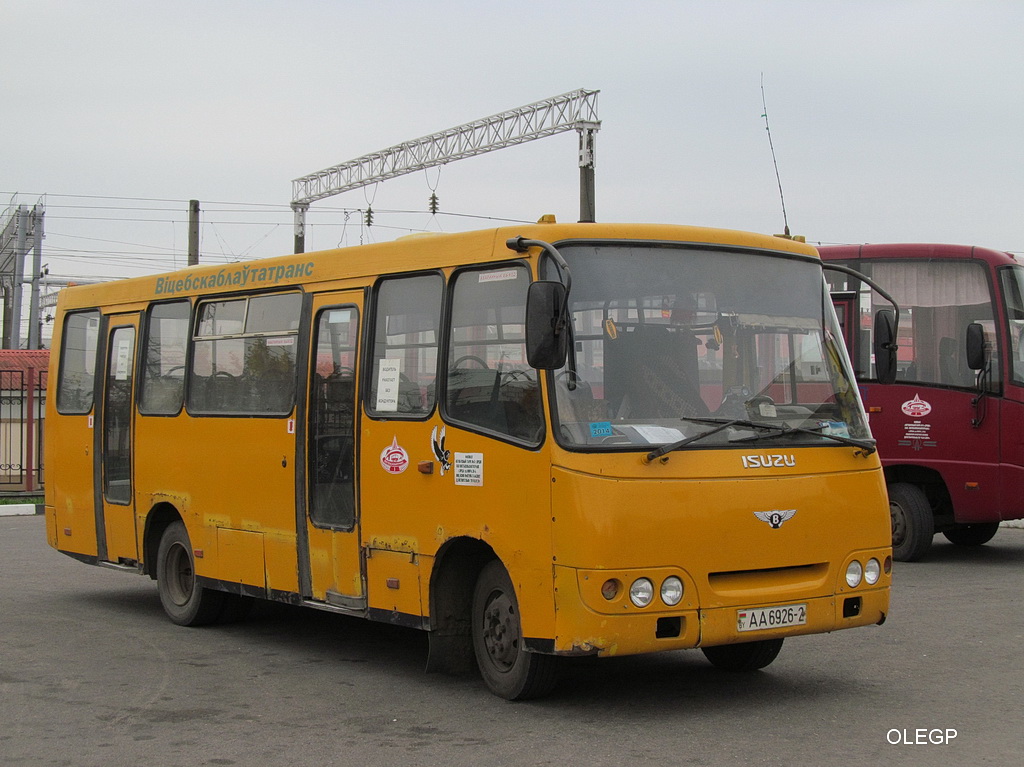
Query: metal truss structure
[
  {"x": 576, "y": 110},
  {"x": 21, "y": 232}
]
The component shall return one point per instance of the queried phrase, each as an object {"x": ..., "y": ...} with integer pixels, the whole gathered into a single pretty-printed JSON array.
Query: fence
[{"x": 22, "y": 405}]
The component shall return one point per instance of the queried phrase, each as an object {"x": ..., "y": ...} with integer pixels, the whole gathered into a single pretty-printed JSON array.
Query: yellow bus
[{"x": 531, "y": 442}]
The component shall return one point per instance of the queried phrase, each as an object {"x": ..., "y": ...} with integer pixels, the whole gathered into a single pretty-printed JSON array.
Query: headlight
[
  {"x": 641, "y": 592},
  {"x": 872, "y": 572},
  {"x": 672, "y": 591},
  {"x": 854, "y": 572}
]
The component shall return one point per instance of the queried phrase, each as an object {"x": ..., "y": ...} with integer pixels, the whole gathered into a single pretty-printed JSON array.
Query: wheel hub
[
  {"x": 182, "y": 579},
  {"x": 899, "y": 524},
  {"x": 501, "y": 632}
]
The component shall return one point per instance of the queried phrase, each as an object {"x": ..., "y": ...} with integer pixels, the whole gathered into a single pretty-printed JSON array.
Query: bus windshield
[
  {"x": 704, "y": 347},
  {"x": 1012, "y": 279}
]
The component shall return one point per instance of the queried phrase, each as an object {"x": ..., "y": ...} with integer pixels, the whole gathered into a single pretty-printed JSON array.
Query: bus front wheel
[
  {"x": 972, "y": 535},
  {"x": 747, "y": 656},
  {"x": 185, "y": 601},
  {"x": 913, "y": 525},
  {"x": 509, "y": 671}
]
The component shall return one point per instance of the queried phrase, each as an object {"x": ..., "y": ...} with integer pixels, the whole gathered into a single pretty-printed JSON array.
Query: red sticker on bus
[{"x": 393, "y": 458}]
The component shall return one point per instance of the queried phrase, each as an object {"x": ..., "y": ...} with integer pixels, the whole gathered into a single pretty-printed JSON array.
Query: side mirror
[
  {"x": 975, "y": 346},
  {"x": 885, "y": 346},
  {"x": 547, "y": 327}
]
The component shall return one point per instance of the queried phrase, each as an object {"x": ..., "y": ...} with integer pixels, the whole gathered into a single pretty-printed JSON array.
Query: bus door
[
  {"x": 115, "y": 499},
  {"x": 334, "y": 572}
]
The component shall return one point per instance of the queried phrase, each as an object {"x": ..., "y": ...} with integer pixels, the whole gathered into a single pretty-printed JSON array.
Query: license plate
[{"x": 761, "y": 618}]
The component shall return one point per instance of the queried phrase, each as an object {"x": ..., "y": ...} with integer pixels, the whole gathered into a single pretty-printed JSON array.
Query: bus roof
[
  {"x": 915, "y": 250},
  {"x": 359, "y": 265}
]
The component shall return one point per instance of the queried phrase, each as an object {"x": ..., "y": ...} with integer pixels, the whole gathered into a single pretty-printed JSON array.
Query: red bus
[{"x": 949, "y": 428}]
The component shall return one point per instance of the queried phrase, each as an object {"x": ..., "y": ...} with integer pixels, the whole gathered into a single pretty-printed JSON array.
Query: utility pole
[
  {"x": 34, "y": 320},
  {"x": 576, "y": 110},
  {"x": 19, "y": 278},
  {"x": 193, "y": 232},
  {"x": 588, "y": 140}
]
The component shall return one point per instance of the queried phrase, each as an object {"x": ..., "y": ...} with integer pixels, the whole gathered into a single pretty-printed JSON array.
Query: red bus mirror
[
  {"x": 975, "y": 346},
  {"x": 885, "y": 346}
]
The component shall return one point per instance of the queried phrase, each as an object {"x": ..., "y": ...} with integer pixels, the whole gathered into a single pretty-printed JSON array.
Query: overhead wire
[{"x": 149, "y": 258}]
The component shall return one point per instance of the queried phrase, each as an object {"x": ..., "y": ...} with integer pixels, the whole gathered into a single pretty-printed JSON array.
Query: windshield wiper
[
  {"x": 724, "y": 423},
  {"x": 867, "y": 445}
]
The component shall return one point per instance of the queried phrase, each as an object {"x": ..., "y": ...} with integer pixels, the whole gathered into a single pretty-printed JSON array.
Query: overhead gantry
[{"x": 576, "y": 110}]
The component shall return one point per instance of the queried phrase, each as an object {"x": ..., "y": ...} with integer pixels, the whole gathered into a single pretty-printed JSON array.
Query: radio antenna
[{"x": 778, "y": 178}]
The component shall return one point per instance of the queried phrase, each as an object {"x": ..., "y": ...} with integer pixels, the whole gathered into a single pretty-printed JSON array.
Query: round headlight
[
  {"x": 672, "y": 591},
  {"x": 872, "y": 571},
  {"x": 641, "y": 592},
  {"x": 854, "y": 572}
]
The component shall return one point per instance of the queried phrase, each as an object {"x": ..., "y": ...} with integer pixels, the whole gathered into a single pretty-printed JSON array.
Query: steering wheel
[{"x": 471, "y": 358}]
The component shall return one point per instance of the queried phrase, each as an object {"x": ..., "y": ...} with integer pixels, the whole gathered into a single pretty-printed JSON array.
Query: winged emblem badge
[{"x": 776, "y": 517}]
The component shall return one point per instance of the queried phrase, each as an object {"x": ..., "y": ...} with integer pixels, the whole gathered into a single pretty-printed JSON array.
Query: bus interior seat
[
  {"x": 950, "y": 371},
  {"x": 473, "y": 397},
  {"x": 654, "y": 354}
]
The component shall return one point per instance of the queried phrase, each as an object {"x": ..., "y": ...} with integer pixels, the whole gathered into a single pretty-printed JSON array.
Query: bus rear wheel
[
  {"x": 185, "y": 601},
  {"x": 508, "y": 670},
  {"x": 913, "y": 525},
  {"x": 747, "y": 656},
  {"x": 972, "y": 535}
]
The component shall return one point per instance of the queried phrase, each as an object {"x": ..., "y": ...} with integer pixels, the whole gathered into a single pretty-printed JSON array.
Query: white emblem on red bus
[
  {"x": 776, "y": 517},
  {"x": 393, "y": 458},
  {"x": 917, "y": 407}
]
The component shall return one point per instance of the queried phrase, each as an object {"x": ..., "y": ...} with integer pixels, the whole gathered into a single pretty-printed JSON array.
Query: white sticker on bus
[
  {"x": 469, "y": 469},
  {"x": 387, "y": 384},
  {"x": 507, "y": 274}
]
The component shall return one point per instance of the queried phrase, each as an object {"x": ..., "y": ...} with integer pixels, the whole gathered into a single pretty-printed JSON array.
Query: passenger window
[
  {"x": 163, "y": 372},
  {"x": 78, "y": 363},
  {"x": 244, "y": 355},
  {"x": 332, "y": 418},
  {"x": 490, "y": 385},
  {"x": 405, "y": 341},
  {"x": 117, "y": 417}
]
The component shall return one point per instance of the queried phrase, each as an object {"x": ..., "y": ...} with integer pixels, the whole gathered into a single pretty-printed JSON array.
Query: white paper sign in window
[
  {"x": 123, "y": 361},
  {"x": 387, "y": 384}
]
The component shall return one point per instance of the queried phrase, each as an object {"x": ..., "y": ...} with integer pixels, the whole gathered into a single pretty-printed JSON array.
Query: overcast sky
[{"x": 891, "y": 121}]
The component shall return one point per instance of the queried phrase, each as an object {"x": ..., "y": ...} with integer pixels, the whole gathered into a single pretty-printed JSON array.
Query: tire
[
  {"x": 748, "y": 656},
  {"x": 508, "y": 670},
  {"x": 913, "y": 525},
  {"x": 184, "y": 600},
  {"x": 972, "y": 535}
]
